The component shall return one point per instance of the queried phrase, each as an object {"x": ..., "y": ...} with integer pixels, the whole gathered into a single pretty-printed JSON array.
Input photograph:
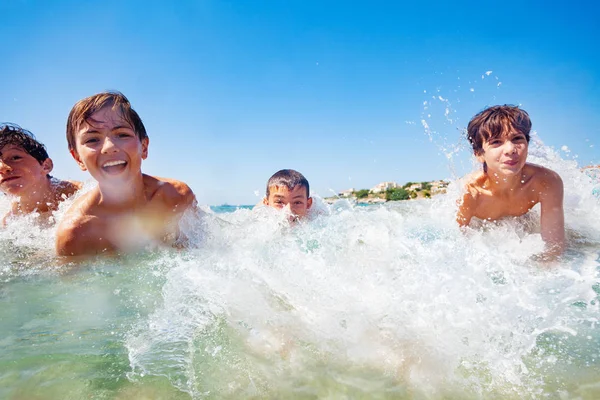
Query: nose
[
  {"x": 109, "y": 146},
  {"x": 4, "y": 167},
  {"x": 509, "y": 147}
]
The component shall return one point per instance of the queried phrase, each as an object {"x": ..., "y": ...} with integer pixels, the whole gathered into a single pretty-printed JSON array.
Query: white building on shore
[
  {"x": 383, "y": 186},
  {"x": 346, "y": 193}
]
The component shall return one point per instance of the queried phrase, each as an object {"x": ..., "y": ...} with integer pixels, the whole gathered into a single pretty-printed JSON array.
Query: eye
[
  {"x": 298, "y": 203},
  {"x": 495, "y": 142},
  {"x": 90, "y": 140},
  {"x": 15, "y": 158},
  {"x": 124, "y": 134}
]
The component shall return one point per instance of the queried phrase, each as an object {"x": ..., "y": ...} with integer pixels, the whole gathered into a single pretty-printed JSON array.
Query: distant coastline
[
  {"x": 392, "y": 191},
  {"x": 381, "y": 193}
]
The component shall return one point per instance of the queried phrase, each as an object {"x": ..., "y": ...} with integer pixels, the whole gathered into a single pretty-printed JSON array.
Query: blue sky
[{"x": 232, "y": 91}]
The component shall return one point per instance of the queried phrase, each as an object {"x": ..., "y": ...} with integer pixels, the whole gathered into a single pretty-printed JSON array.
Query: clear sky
[{"x": 232, "y": 91}]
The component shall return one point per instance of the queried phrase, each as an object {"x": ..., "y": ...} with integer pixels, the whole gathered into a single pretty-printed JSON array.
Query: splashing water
[{"x": 391, "y": 301}]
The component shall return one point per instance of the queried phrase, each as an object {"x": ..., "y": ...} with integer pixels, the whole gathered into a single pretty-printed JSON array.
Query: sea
[{"x": 388, "y": 301}]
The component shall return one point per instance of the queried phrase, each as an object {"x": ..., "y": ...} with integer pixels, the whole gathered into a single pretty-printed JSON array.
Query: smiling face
[
  {"x": 106, "y": 145},
  {"x": 20, "y": 173},
  {"x": 296, "y": 199},
  {"x": 505, "y": 155}
]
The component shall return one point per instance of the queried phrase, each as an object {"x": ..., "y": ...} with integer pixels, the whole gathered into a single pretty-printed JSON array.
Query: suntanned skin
[
  {"x": 127, "y": 209},
  {"x": 26, "y": 179},
  {"x": 511, "y": 187},
  {"x": 296, "y": 200}
]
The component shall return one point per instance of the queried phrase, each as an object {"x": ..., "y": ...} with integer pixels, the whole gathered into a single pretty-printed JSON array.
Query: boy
[
  {"x": 127, "y": 209},
  {"x": 508, "y": 185},
  {"x": 289, "y": 189},
  {"x": 25, "y": 174}
]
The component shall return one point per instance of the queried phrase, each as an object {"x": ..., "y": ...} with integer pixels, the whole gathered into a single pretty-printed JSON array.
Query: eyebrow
[
  {"x": 93, "y": 130},
  {"x": 15, "y": 148},
  {"x": 121, "y": 127}
]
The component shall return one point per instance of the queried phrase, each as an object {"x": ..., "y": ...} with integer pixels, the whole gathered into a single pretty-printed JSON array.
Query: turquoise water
[
  {"x": 390, "y": 301},
  {"x": 226, "y": 208}
]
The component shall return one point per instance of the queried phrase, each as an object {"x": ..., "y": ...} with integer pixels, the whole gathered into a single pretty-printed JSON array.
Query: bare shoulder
[
  {"x": 76, "y": 227},
  {"x": 68, "y": 188},
  {"x": 171, "y": 192},
  {"x": 474, "y": 184},
  {"x": 75, "y": 184},
  {"x": 467, "y": 204},
  {"x": 544, "y": 177}
]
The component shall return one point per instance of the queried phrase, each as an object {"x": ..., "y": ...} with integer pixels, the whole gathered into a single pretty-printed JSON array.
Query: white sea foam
[
  {"x": 398, "y": 289},
  {"x": 391, "y": 300}
]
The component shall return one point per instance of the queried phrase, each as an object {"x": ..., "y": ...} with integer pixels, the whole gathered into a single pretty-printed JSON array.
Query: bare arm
[
  {"x": 464, "y": 215},
  {"x": 80, "y": 233},
  {"x": 553, "y": 217},
  {"x": 467, "y": 206},
  {"x": 73, "y": 238}
]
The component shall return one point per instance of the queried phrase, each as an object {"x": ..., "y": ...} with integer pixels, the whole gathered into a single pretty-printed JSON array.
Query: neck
[
  {"x": 42, "y": 198},
  {"x": 503, "y": 184},
  {"x": 123, "y": 195}
]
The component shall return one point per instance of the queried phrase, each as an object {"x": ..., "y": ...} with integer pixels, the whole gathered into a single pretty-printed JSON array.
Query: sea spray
[
  {"x": 396, "y": 295},
  {"x": 389, "y": 301}
]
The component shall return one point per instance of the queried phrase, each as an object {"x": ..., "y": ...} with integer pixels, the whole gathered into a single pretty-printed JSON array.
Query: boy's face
[
  {"x": 20, "y": 173},
  {"x": 107, "y": 147},
  {"x": 505, "y": 155},
  {"x": 296, "y": 199}
]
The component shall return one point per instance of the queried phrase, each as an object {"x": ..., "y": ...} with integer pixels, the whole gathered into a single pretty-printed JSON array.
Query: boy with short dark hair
[
  {"x": 289, "y": 189},
  {"x": 25, "y": 174},
  {"x": 508, "y": 185},
  {"x": 127, "y": 209}
]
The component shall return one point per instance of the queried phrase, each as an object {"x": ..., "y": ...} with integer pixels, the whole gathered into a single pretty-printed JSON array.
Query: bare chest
[
  {"x": 136, "y": 229},
  {"x": 493, "y": 208}
]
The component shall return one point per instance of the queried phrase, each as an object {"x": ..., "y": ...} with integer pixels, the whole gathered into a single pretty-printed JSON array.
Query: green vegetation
[
  {"x": 410, "y": 190},
  {"x": 361, "y": 194},
  {"x": 397, "y": 194}
]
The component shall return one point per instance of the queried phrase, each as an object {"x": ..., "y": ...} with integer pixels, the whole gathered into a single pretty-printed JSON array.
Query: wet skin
[
  {"x": 26, "y": 179},
  {"x": 296, "y": 201},
  {"x": 511, "y": 187},
  {"x": 128, "y": 209}
]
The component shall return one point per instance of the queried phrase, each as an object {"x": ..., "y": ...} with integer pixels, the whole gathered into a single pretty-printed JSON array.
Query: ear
[
  {"x": 265, "y": 201},
  {"x": 309, "y": 203},
  {"x": 47, "y": 165},
  {"x": 76, "y": 157},
  {"x": 145, "y": 143},
  {"x": 480, "y": 158}
]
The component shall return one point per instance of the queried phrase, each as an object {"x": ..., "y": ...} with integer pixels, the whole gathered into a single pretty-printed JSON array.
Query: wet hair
[
  {"x": 15, "y": 135},
  {"x": 288, "y": 178},
  {"x": 85, "y": 108},
  {"x": 495, "y": 122}
]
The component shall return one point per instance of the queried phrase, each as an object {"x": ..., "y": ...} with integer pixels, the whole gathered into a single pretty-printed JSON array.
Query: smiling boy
[
  {"x": 127, "y": 209},
  {"x": 508, "y": 185},
  {"x": 289, "y": 189},
  {"x": 25, "y": 174}
]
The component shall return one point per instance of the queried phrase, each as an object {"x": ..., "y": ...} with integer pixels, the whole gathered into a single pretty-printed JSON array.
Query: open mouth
[
  {"x": 10, "y": 178},
  {"x": 114, "y": 166}
]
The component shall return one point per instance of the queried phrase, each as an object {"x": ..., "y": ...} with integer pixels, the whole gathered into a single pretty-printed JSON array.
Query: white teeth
[{"x": 113, "y": 163}]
